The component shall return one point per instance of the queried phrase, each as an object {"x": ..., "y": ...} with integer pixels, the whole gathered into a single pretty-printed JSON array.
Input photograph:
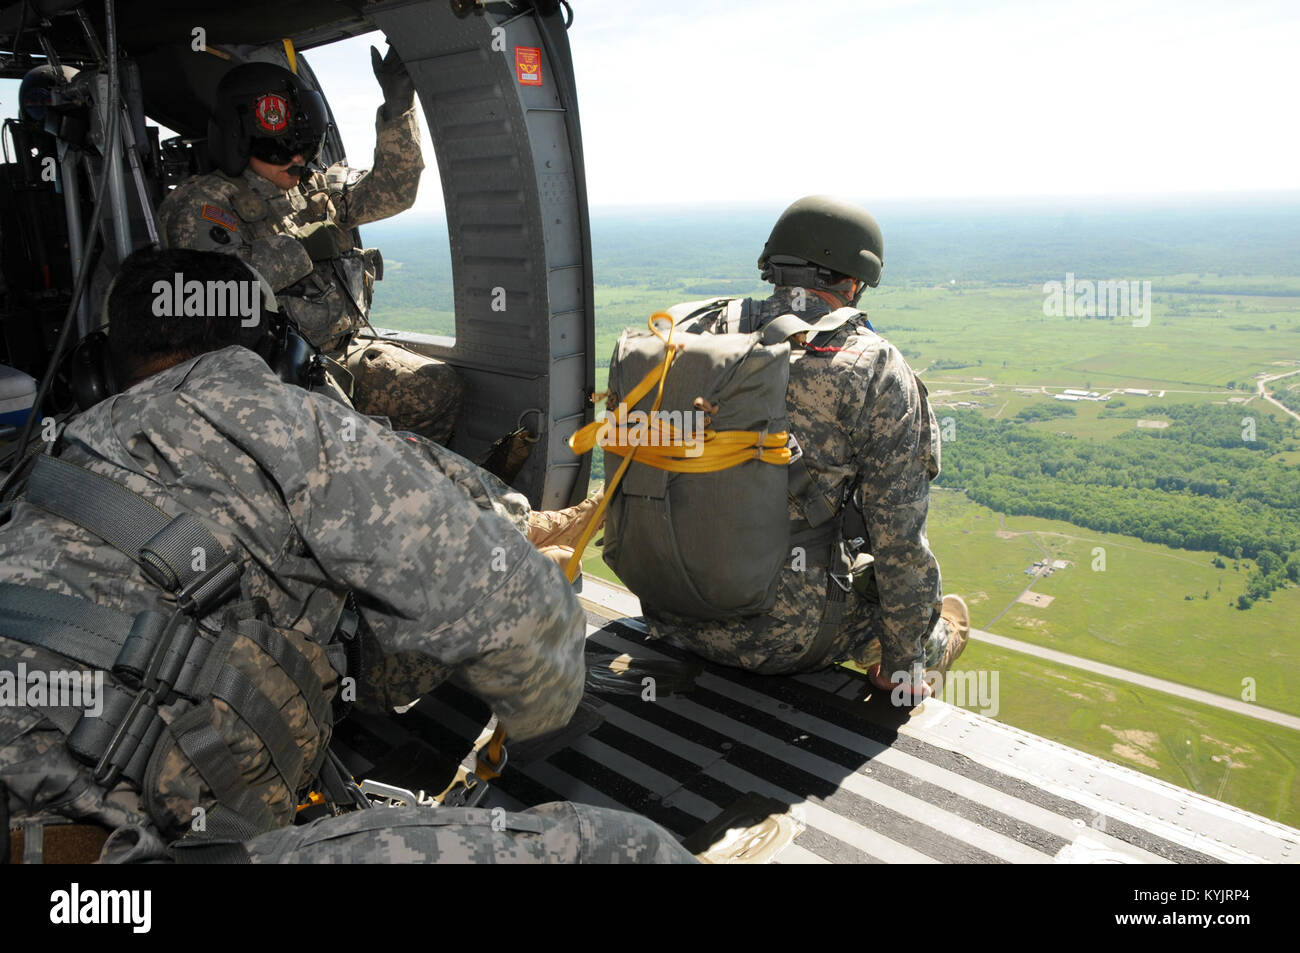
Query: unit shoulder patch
[
  {"x": 215, "y": 213},
  {"x": 249, "y": 206}
]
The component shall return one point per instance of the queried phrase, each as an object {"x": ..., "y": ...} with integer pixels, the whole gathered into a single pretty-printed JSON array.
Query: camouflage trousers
[
  {"x": 414, "y": 392},
  {"x": 777, "y": 642},
  {"x": 557, "y": 833}
]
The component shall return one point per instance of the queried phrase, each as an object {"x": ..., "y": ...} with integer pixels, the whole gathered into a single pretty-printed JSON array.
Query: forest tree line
[{"x": 1203, "y": 483}]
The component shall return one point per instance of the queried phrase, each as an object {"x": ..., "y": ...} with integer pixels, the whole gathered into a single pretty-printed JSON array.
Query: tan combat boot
[
  {"x": 560, "y": 555},
  {"x": 957, "y": 615},
  {"x": 562, "y": 527}
]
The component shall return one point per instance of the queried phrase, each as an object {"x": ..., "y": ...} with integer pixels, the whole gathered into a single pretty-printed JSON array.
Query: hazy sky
[{"x": 690, "y": 100}]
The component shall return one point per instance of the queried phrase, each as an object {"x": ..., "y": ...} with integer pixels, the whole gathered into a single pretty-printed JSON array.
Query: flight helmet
[
  {"x": 265, "y": 111},
  {"x": 828, "y": 233},
  {"x": 34, "y": 93}
]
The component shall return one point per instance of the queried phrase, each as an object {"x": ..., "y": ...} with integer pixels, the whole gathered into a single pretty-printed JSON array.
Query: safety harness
[
  {"x": 830, "y": 532},
  {"x": 162, "y": 658}
]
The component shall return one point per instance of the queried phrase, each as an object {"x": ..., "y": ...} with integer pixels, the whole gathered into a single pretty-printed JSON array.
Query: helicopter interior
[{"x": 87, "y": 163}]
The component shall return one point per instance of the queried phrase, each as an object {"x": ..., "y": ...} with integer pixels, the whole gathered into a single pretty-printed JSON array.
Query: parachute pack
[{"x": 700, "y": 464}]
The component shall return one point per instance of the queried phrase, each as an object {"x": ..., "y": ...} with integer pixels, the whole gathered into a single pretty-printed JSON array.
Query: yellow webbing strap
[
  {"x": 661, "y": 445},
  {"x": 489, "y": 767},
  {"x": 291, "y": 54}
]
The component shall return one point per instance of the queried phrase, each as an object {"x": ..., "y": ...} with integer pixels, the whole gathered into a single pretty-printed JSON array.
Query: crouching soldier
[{"x": 190, "y": 546}]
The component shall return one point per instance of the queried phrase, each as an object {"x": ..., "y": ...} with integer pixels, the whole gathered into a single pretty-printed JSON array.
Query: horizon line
[{"x": 1045, "y": 200}]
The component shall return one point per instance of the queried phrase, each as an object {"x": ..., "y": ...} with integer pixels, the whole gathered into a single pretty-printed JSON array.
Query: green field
[
  {"x": 1134, "y": 614},
  {"x": 1194, "y": 341},
  {"x": 1195, "y": 345},
  {"x": 1244, "y": 762}
]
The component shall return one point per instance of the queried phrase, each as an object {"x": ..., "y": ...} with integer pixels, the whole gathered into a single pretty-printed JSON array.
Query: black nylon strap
[
  {"x": 170, "y": 551},
  {"x": 109, "y": 510},
  {"x": 265, "y": 719},
  {"x": 832, "y": 616},
  {"x": 816, "y": 542},
  {"x": 704, "y": 309},
  {"x": 72, "y": 627},
  {"x": 804, "y": 490},
  {"x": 164, "y": 547},
  {"x": 838, "y": 561},
  {"x": 91, "y": 736},
  {"x": 337, "y": 785},
  {"x": 138, "y": 762}
]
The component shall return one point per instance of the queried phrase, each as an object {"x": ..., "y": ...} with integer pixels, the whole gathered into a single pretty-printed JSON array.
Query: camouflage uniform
[
  {"x": 863, "y": 421},
  {"x": 253, "y": 218},
  {"x": 555, "y": 833},
  {"x": 316, "y": 500}
]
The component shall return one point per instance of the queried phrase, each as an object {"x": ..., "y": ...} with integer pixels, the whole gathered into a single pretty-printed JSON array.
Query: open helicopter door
[{"x": 498, "y": 94}]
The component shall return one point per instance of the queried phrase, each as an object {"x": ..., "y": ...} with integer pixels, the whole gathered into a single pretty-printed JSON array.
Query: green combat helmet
[{"x": 828, "y": 233}]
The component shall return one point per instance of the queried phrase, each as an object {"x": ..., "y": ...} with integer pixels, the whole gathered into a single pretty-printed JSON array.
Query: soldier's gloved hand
[
  {"x": 323, "y": 240},
  {"x": 394, "y": 80},
  {"x": 907, "y": 690}
]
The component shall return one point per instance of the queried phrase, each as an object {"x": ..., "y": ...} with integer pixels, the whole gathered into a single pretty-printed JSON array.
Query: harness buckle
[
  {"x": 467, "y": 793},
  {"x": 846, "y": 586},
  {"x": 388, "y": 795},
  {"x": 108, "y": 769},
  {"x": 191, "y": 600},
  {"x": 484, "y": 762}
]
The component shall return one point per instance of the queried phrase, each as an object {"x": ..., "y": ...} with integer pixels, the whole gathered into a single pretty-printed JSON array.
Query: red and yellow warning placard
[{"x": 528, "y": 64}]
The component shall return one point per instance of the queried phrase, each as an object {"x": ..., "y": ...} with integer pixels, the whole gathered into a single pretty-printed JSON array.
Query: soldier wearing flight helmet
[{"x": 294, "y": 225}]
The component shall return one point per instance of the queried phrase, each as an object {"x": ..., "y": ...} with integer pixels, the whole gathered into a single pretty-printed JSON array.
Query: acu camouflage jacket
[
  {"x": 316, "y": 500},
  {"x": 865, "y": 426},
  {"x": 253, "y": 218}
]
